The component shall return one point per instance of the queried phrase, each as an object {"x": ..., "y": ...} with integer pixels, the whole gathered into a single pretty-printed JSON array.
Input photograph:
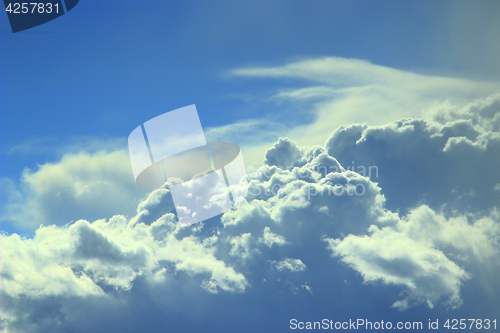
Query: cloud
[
  {"x": 105, "y": 258},
  {"x": 83, "y": 185},
  {"x": 427, "y": 273},
  {"x": 449, "y": 160},
  {"x": 411, "y": 253},
  {"x": 252, "y": 247},
  {"x": 342, "y": 72},
  {"x": 242, "y": 131},
  {"x": 28, "y": 270},
  {"x": 52, "y": 145},
  {"x": 269, "y": 238},
  {"x": 284, "y": 153},
  {"x": 423, "y": 229},
  {"x": 294, "y": 265},
  {"x": 337, "y": 91}
]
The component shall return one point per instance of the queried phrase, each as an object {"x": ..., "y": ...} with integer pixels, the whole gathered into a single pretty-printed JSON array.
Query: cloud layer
[
  {"x": 338, "y": 91},
  {"x": 83, "y": 185},
  {"x": 421, "y": 228}
]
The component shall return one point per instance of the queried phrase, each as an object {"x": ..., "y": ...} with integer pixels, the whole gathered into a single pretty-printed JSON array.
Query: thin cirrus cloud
[
  {"x": 311, "y": 227},
  {"x": 342, "y": 91}
]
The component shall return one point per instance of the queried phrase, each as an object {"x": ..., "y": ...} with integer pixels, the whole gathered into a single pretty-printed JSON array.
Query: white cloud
[
  {"x": 28, "y": 269},
  {"x": 339, "y": 91},
  {"x": 294, "y": 265},
  {"x": 89, "y": 186},
  {"x": 269, "y": 238},
  {"x": 425, "y": 225},
  {"x": 243, "y": 132},
  {"x": 51, "y": 145},
  {"x": 241, "y": 246},
  {"x": 449, "y": 160},
  {"x": 394, "y": 259},
  {"x": 479, "y": 238},
  {"x": 83, "y": 258},
  {"x": 411, "y": 253},
  {"x": 106, "y": 258}
]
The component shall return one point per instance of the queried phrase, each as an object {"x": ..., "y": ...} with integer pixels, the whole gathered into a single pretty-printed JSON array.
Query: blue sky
[
  {"x": 409, "y": 87},
  {"x": 131, "y": 61}
]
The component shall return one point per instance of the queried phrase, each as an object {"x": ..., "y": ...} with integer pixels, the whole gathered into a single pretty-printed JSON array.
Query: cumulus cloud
[
  {"x": 84, "y": 185},
  {"x": 449, "y": 160},
  {"x": 269, "y": 238},
  {"x": 410, "y": 253},
  {"x": 423, "y": 229},
  {"x": 84, "y": 258},
  {"x": 252, "y": 247},
  {"x": 294, "y": 265}
]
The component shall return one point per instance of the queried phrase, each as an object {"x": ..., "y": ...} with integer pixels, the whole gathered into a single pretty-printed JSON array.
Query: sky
[{"x": 370, "y": 132}]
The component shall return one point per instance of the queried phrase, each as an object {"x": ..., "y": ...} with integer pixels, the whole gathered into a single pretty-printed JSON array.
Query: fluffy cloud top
[
  {"x": 451, "y": 160},
  {"x": 410, "y": 253}
]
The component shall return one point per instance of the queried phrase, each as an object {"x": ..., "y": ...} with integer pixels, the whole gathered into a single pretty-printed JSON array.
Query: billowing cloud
[
  {"x": 294, "y": 265},
  {"x": 450, "y": 160},
  {"x": 84, "y": 185},
  {"x": 410, "y": 253},
  {"x": 317, "y": 231}
]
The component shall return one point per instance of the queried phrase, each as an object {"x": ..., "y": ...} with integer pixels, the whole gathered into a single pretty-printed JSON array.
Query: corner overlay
[
  {"x": 205, "y": 179},
  {"x": 26, "y": 15}
]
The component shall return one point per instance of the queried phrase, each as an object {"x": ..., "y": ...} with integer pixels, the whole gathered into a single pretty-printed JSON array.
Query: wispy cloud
[
  {"x": 52, "y": 145},
  {"x": 344, "y": 91}
]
